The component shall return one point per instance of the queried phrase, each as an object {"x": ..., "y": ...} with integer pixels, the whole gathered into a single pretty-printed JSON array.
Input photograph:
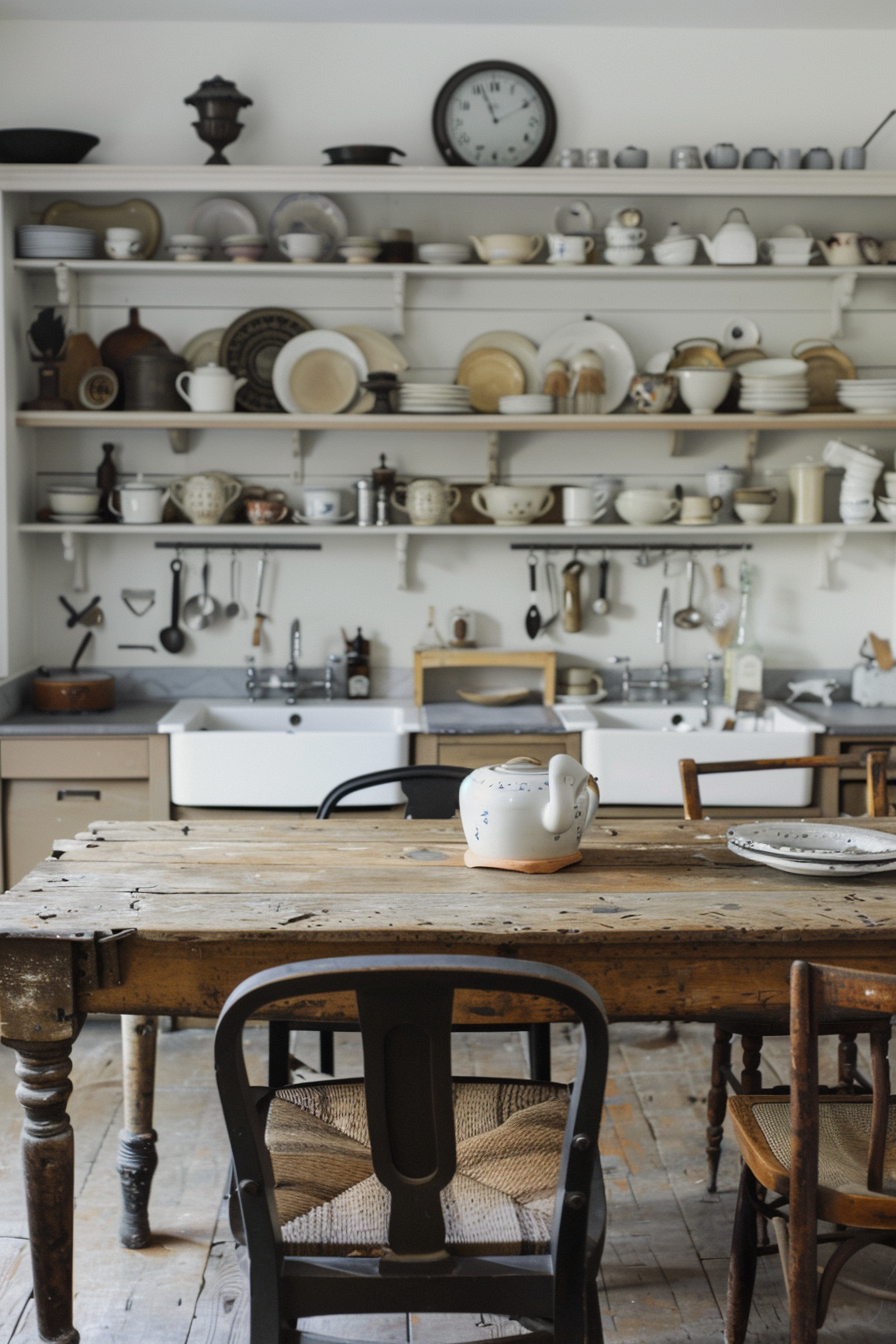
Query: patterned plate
[
  {"x": 249, "y": 347},
  {"x": 134, "y": 214}
]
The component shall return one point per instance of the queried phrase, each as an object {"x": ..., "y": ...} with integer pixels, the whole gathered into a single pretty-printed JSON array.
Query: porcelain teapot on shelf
[
  {"x": 527, "y": 816},
  {"x": 734, "y": 244}
]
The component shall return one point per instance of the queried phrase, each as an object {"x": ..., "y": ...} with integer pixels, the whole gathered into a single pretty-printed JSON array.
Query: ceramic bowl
[
  {"x": 890, "y": 483},
  {"x": 887, "y": 508},
  {"x": 507, "y": 505},
  {"x": 74, "y": 499},
  {"x": 702, "y": 390},
  {"x": 444, "y": 254},
  {"x": 681, "y": 252},
  {"x": 752, "y": 513},
  {"x": 623, "y": 256}
]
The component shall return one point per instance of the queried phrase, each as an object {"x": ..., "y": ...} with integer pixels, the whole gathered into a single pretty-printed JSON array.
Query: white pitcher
[{"x": 211, "y": 388}]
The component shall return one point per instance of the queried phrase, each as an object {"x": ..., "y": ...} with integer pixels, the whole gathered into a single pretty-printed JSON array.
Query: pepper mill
[{"x": 107, "y": 480}]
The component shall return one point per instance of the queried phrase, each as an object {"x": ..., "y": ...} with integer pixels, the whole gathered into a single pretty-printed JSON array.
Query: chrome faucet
[
  {"x": 665, "y": 682},
  {"x": 290, "y": 682}
]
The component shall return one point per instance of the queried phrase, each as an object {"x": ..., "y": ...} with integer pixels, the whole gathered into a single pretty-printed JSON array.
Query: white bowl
[
  {"x": 753, "y": 513},
  {"x": 645, "y": 507},
  {"x": 702, "y": 390},
  {"x": 74, "y": 499},
  {"x": 682, "y": 252},
  {"x": 444, "y": 254},
  {"x": 887, "y": 509},
  {"x": 623, "y": 256}
]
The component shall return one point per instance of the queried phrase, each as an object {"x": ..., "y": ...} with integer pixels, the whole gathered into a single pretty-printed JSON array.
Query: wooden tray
[{"x": 430, "y": 658}]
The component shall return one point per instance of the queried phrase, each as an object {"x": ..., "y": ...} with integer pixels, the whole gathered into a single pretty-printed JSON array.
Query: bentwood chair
[
  {"x": 816, "y": 1157},
  {"x": 409, "y": 1190},
  {"x": 753, "y": 1026},
  {"x": 432, "y": 795}
]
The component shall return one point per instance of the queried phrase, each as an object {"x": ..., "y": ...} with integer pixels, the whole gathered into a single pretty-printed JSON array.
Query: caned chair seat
[
  {"x": 500, "y": 1202},
  {"x": 762, "y": 1129}
]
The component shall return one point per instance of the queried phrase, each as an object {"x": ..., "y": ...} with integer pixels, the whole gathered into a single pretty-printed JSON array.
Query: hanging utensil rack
[{"x": 238, "y": 546}]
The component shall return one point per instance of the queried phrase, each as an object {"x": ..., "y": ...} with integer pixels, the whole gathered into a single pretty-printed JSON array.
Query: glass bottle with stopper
[{"x": 357, "y": 667}]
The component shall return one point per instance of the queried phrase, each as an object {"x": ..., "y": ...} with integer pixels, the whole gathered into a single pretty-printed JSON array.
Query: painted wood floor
[{"x": 663, "y": 1277}]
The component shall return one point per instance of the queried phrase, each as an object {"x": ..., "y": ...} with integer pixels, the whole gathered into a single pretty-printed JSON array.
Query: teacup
[
  {"x": 623, "y": 256},
  {"x": 787, "y": 251},
  {"x": 569, "y": 249},
  {"x": 887, "y": 509},
  {"x": 428, "y": 501},
  {"x": 578, "y": 682},
  {"x": 512, "y": 505},
  {"x": 264, "y": 512},
  {"x": 123, "y": 244},
  {"x": 301, "y": 247},
  {"x": 698, "y": 509},
  {"x": 703, "y": 390},
  {"x": 507, "y": 249},
  {"x": 321, "y": 507},
  {"x": 653, "y": 393},
  {"x": 619, "y": 235},
  {"x": 646, "y": 507}
]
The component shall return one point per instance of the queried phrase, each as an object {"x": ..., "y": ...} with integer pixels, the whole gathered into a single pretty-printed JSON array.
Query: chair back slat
[
  {"x": 431, "y": 790},
  {"x": 873, "y": 762}
]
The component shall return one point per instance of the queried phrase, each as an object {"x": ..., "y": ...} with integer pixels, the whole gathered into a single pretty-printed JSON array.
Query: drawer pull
[{"x": 62, "y": 794}]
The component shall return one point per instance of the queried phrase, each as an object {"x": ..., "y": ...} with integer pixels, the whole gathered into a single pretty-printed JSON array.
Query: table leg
[
  {"x": 717, "y": 1103},
  {"x": 137, "y": 1155},
  {"x": 48, "y": 1154}
]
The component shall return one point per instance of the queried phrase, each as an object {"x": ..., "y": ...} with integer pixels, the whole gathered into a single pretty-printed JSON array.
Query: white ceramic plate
[
  {"x": 204, "y": 347},
  {"x": 302, "y": 345},
  {"x": 618, "y": 360},
  {"x": 306, "y": 212},
  {"x": 524, "y": 351},
  {"x": 804, "y": 868},
  {"x": 815, "y": 839},
  {"x": 219, "y": 217}
]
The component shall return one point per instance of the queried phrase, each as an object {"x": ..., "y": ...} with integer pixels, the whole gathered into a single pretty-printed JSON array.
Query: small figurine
[{"x": 817, "y": 686}]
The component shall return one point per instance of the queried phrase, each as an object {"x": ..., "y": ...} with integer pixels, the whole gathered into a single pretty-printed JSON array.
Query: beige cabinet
[
  {"x": 490, "y": 749},
  {"x": 53, "y": 787},
  {"x": 844, "y": 791}
]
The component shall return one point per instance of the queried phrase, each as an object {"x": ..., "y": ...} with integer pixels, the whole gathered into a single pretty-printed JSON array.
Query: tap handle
[{"x": 619, "y": 658}]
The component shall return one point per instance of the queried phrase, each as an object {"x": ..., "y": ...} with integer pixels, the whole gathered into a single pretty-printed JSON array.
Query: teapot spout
[
  {"x": 565, "y": 778},
  {"x": 708, "y": 246},
  {"x": 825, "y": 249}
]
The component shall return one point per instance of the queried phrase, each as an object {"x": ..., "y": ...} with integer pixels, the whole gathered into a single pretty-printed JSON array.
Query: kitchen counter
[
  {"x": 137, "y": 717},
  {"x": 844, "y": 719}
]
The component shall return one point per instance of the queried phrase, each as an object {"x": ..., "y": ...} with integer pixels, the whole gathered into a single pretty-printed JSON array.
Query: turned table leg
[
  {"x": 137, "y": 1155},
  {"x": 48, "y": 1154},
  {"x": 717, "y": 1102}
]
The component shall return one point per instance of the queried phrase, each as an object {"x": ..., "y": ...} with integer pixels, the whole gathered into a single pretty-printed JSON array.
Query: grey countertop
[
  {"x": 845, "y": 718},
  {"x": 137, "y": 717}
]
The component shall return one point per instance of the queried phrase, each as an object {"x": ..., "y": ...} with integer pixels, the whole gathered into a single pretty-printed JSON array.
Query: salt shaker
[
  {"x": 365, "y": 508},
  {"x": 382, "y": 507}
]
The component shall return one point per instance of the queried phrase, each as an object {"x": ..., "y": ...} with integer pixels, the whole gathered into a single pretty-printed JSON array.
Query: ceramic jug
[
  {"x": 427, "y": 502},
  {"x": 734, "y": 244},
  {"x": 209, "y": 388},
  {"x": 842, "y": 249},
  {"x": 205, "y": 497},
  {"x": 523, "y": 811}
]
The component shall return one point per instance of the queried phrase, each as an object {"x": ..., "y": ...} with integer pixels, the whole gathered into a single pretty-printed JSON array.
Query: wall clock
[{"x": 494, "y": 115}]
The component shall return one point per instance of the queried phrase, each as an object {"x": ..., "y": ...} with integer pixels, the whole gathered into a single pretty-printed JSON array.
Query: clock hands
[
  {"x": 522, "y": 107},
  {"x": 489, "y": 105}
]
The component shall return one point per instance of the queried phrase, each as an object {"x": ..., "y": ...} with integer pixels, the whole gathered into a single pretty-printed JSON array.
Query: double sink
[{"x": 234, "y": 753}]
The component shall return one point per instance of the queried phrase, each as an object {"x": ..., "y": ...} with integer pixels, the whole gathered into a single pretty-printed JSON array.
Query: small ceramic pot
[
  {"x": 653, "y": 393},
  {"x": 141, "y": 502}
]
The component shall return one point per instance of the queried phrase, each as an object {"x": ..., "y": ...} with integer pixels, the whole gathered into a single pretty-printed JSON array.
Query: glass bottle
[
  {"x": 743, "y": 658},
  {"x": 358, "y": 668}
]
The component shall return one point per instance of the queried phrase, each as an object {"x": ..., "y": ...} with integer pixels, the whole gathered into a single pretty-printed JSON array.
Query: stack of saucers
[
  {"x": 808, "y": 847},
  {"x": 868, "y": 396},
  {"x": 526, "y": 403},
  {"x": 54, "y": 240},
  {"x": 433, "y": 399},
  {"x": 774, "y": 386}
]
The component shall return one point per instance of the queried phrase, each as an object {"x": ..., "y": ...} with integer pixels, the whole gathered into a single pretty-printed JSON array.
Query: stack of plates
[
  {"x": 774, "y": 386},
  {"x": 868, "y": 396},
  {"x": 815, "y": 847},
  {"x": 532, "y": 403},
  {"x": 54, "y": 240},
  {"x": 433, "y": 399}
]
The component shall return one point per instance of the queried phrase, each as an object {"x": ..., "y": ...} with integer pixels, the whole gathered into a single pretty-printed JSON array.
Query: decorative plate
[
  {"x": 306, "y": 212},
  {"x": 204, "y": 348},
  {"x": 524, "y": 351},
  {"x": 617, "y": 358},
  {"x": 338, "y": 367},
  {"x": 490, "y": 375},
  {"x": 249, "y": 347},
  {"x": 826, "y": 365},
  {"x": 512, "y": 696},
  {"x": 218, "y": 218},
  {"x": 134, "y": 214}
]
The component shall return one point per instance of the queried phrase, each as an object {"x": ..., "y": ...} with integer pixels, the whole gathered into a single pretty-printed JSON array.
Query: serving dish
[{"x": 37, "y": 144}]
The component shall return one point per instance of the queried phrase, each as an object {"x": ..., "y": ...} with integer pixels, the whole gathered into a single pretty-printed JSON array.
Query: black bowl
[
  {"x": 37, "y": 145},
  {"x": 362, "y": 154}
]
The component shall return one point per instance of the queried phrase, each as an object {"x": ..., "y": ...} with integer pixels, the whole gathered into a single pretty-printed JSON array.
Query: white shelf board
[
  {"x": 648, "y": 271},
  {"x": 625, "y": 183},
  {"x": 726, "y": 534},
  {"x": 740, "y": 422}
]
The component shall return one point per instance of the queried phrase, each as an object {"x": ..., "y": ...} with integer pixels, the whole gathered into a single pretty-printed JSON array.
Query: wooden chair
[
  {"x": 463, "y": 1161},
  {"x": 752, "y": 1027},
  {"x": 823, "y": 1156},
  {"x": 432, "y": 795}
]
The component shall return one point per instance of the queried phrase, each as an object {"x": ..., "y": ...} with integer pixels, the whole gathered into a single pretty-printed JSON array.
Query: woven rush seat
[
  {"x": 500, "y": 1202},
  {"x": 762, "y": 1128}
]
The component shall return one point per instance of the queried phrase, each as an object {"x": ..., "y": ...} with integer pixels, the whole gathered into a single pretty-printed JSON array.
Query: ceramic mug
[
  {"x": 790, "y": 158},
  {"x": 512, "y": 505},
  {"x": 304, "y": 247},
  {"x": 209, "y": 388},
  {"x": 204, "y": 497},
  {"x": 699, "y": 509},
  {"x": 853, "y": 157},
  {"x": 597, "y": 158},
  {"x": 582, "y": 505},
  {"x": 141, "y": 502},
  {"x": 684, "y": 156},
  {"x": 123, "y": 244},
  {"x": 569, "y": 249},
  {"x": 427, "y": 501},
  {"x": 647, "y": 506}
]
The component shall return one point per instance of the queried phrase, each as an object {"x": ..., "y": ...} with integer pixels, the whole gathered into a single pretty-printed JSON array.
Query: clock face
[{"x": 494, "y": 115}]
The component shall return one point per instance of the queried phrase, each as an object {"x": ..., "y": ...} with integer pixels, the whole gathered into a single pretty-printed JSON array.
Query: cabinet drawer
[
  {"x": 74, "y": 758},
  {"x": 475, "y": 751},
  {"x": 39, "y": 811}
]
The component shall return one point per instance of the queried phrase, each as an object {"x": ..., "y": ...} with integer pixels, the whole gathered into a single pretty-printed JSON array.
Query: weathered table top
[{"x": 660, "y": 916}]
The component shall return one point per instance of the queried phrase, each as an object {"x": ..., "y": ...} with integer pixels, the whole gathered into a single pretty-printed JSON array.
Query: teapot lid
[
  {"x": 212, "y": 368},
  {"x": 521, "y": 765},
  {"x": 139, "y": 482}
]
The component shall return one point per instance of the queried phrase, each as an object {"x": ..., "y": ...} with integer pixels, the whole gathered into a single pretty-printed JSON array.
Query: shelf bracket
[
  {"x": 298, "y": 452},
  {"x": 752, "y": 447},
  {"x": 401, "y": 560},
  {"x": 493, "y": 440},
  {"x": 830, "y": 549},
  {"x": 676, "y": 443},
  {"x": 67, "y": 291},
  {"x": 842, "y": 290},
  {"x": 179, "y": 440},
  {"x": 399, "y": 284},
  {"x": 73, "y": 552}
]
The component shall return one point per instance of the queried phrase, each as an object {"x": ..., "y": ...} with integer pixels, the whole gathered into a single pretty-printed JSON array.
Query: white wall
[{"x": 317, "y": 85}]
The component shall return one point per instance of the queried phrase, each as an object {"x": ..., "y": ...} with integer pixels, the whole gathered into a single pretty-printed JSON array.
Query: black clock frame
[{"x": 440, "y": 112}]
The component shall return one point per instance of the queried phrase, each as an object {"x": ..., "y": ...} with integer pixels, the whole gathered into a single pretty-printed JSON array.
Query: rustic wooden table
[{"x": 167, "y": 917}]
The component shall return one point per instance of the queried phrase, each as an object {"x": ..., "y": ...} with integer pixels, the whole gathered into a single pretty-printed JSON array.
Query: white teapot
[
  {"x": 523, "y": 812},
  {"x": 734, "y": 244},
  {"x": 210, "y": 388}
]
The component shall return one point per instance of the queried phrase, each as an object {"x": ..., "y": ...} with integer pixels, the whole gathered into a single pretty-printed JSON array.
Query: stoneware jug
[
  {"x": 734, "y": 244},
  {"x": 205, "y": 497},
  {"x": 526, "y": 815}
]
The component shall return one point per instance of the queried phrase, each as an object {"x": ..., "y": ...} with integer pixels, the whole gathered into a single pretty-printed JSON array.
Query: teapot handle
[{"x": 178, "y": 383}]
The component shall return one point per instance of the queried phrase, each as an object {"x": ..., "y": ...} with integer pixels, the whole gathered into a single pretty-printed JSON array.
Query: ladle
[
  {"x": 202, "y": 609},
  {"x": 233, "y": 606},
  {"x": 172, "y": 638},
  {"x": 689, "y": 618}
]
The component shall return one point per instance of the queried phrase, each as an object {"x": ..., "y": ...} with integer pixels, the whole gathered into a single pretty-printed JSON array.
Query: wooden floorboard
[{"x": 665, "y": 1265}]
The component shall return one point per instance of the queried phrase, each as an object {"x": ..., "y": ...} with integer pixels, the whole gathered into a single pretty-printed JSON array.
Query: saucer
[
  {"x": 695, "y": 522},
  {"x": 74, "y": 518},
  {"x": 591, "y": 699}
]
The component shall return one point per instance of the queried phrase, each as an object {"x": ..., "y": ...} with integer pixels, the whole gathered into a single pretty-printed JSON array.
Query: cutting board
[{"x": 80, "y": 355}]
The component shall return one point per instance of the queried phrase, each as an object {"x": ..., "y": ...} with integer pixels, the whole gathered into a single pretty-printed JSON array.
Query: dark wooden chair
[
  {"x": 753, "y": 1026},
  {"x": 815, "y": 1156},
  {"x": 398, "y": 1191},
  {"x": 431, "y": 792}
]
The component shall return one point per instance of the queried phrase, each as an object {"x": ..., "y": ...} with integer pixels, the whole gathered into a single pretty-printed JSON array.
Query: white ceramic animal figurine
[{"x": 817, "y": 686}]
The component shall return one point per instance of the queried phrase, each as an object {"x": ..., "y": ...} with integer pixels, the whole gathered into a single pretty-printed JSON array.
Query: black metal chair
[
  {"x": 431, "y": 792},
  {"x": 395, "y": 1192}
]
